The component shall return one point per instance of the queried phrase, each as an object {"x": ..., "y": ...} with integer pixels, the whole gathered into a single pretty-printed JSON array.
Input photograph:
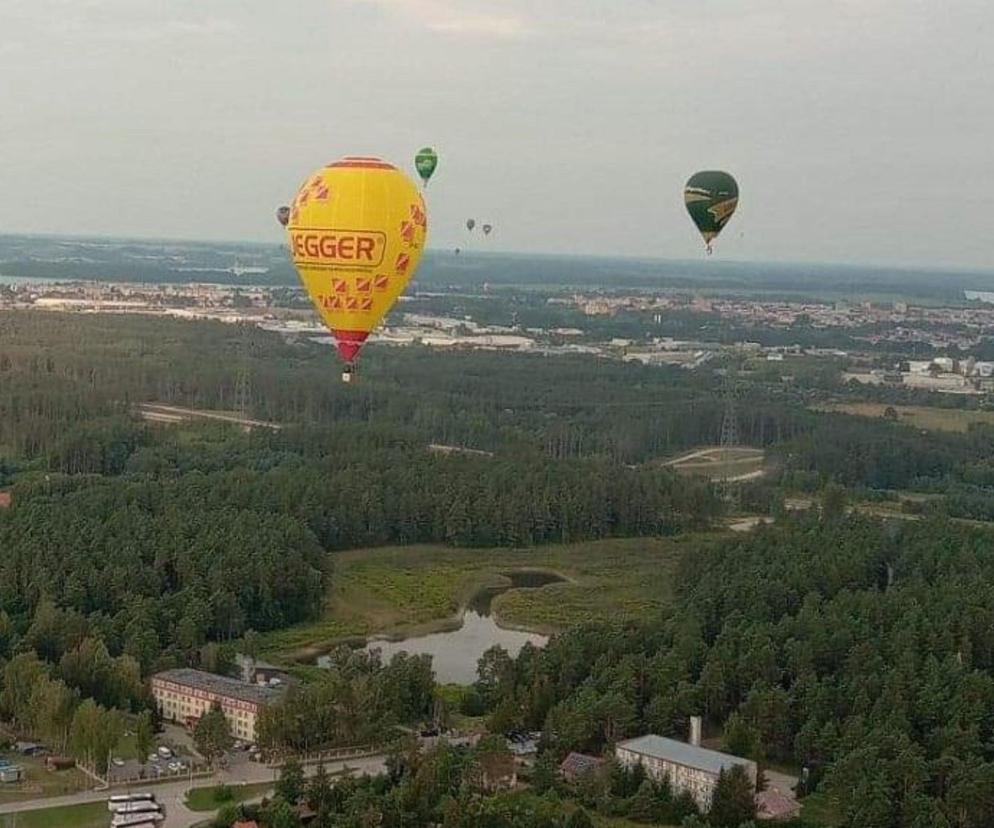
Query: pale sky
[{"x": 859, "y": 130}]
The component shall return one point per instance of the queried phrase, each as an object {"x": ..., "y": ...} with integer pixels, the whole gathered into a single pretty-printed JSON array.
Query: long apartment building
[
  {"x": 688, "y": 767},
  {"x": 184, "y": 695}
]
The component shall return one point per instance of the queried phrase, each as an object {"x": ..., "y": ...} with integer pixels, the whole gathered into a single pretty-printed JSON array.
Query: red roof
[
  {"x": 775, "y": 804},
  {"x": 250, "y": 824},
  {"x": 4, "y": 500}
]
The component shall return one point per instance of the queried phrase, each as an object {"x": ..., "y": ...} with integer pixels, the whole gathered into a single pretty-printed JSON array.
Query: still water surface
[{"x": 454, "y": 654}]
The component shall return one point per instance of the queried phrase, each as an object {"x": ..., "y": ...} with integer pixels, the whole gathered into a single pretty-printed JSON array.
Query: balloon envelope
[
  {"x": 283, "y": 215},
  {"x": 357, "y": 229},
  {"x": 425, "y": 162},
  {"x": 711, "y": 197},
  {"x": 487, "y": 228},
  {"x": 470, "y": 224}
]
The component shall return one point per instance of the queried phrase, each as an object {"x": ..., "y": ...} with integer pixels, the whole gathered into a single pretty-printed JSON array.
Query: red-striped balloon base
[{"x": 349, "y": 343}]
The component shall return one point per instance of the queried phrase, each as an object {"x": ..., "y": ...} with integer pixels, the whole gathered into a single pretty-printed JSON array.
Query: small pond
[{"x": 454, "y": 653}]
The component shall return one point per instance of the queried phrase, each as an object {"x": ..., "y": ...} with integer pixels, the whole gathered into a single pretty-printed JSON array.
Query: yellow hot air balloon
[{"x": 357, "y": 228}]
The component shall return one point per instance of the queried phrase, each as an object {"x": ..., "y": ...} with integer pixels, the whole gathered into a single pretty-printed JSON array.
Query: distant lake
[
  {"x": 454, "y": 654},
  {"x": 980, "y": 296}
]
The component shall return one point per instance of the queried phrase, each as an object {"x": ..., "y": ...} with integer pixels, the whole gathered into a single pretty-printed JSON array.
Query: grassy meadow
[
  {"x": 924, "y": 417},
  {"x": 717, "y": 463},
  {"x": 91, "y": 815},
  {"x": 401, "y": 591}
]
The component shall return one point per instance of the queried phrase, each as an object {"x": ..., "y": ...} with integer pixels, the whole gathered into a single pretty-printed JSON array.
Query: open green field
[
  {"x": 91, "y": 815},
  {"x": 716, "y": 463},
  {"x": 400, "y": 591},
  {"x": 206, "y": 799},
  {"x": 917, "y": 416},
  {"x": 40, "y": 782}
]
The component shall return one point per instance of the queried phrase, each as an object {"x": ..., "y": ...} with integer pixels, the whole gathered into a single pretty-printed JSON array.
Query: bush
[{"x": 472, "y": 703}]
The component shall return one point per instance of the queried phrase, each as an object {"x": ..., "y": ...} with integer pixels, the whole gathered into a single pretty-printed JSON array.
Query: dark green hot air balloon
[
  {"x": 711, "y": 197},
  {"x": 425, "y": 162}
]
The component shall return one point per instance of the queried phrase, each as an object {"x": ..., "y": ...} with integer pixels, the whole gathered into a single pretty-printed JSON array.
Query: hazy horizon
[
  {"x": 432, "y": 250},
  {"x": 853, "y": 127}
]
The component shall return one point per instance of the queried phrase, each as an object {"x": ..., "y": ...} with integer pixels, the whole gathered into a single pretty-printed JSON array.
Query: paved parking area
[
  {"x": 178, "y": 740},
  {"x": 159, "y": 769}
]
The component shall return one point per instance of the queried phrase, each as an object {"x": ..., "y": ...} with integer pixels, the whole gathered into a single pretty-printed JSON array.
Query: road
[
  {"x": 173, "y": 794},
  {"x": 159, "y": 413},
  {"x": 747, "y": 524}
]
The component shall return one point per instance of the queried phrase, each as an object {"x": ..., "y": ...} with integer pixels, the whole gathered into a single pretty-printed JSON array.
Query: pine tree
[
  {"x": 733, "y": 801},
  {"x": 144, "y": 736}
]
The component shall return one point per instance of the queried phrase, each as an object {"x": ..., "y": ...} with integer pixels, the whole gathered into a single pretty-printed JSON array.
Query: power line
[
  {"x": 729, "y": 439},
  {"x": 243, "y": 389}
]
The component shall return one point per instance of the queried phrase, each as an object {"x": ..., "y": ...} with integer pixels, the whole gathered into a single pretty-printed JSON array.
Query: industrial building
[
  {"x": 184, "y": 695},
  {"x": 687, "y": 766}
]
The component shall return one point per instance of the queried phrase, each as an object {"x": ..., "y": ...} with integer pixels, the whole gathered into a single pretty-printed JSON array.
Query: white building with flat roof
[{"x": 688, "y": 767}]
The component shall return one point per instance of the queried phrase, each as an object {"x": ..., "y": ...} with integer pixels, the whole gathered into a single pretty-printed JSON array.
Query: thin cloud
[
  {"x": 451, "y": 18},
  {"x": 483, "y": 25}
]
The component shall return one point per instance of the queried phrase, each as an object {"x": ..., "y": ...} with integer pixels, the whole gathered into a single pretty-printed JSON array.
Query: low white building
[
  {"x": 943, "y": 381},
  {"x": 689, "y": 768}
]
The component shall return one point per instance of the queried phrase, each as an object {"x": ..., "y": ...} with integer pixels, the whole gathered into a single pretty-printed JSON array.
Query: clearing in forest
[
  {"x": 401, "y": 591},
  {"x": 732, "y": 464},
  {"x": 925, "y": 417},
  {"x": 161, "y": 413}
]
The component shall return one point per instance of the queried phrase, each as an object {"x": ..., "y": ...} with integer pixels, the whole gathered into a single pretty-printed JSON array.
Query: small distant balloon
[
  {"x": 711, "y": 197},
  {"x": 470, "y": 224},
  {"x": 457, "y": 251},
  {"x": 283, "y": 215},
  {"x": 425, "y": 163},
  {"x": 487, "y": 228}
]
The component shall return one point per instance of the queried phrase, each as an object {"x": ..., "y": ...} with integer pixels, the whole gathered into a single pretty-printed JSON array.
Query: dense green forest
[
  {"x": 132, "y": 530},
  {"x": 64, "y": 383},
  {"x": 859, "y": 649},
  {"x": 576, "y": 445}
]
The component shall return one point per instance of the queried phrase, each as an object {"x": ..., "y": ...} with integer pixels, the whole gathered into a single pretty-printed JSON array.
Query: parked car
[
  {"x": 165, "y": 752},
  {"x": 117, "y": 762}
]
